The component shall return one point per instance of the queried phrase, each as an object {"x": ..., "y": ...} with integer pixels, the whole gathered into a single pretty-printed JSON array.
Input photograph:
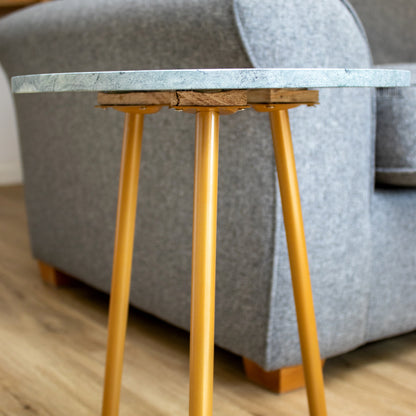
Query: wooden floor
[{"x": 52, "y": 348}]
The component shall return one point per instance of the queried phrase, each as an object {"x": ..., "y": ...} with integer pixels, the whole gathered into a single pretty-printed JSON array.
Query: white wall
[{"x": 10, "y": 165}]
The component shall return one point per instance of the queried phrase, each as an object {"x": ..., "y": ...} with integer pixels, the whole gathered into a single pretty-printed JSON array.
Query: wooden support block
[
  {"x": 283, "y": 96},
  {"x": 136, "y": 98},
  {"x": 209, "y": 98},
  {"x": 54, "y": 277},
  {"x": 217, "y": 98},
  {"x": 282, "y": 380}
]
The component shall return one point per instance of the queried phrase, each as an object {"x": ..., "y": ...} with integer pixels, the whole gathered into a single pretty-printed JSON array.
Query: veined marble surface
[{"x": 207, "y": 79}]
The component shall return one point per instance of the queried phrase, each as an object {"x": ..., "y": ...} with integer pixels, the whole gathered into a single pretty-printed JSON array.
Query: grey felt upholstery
[
  {"x": 396, "y": 133},
  {"x": 71, "y": 155}
]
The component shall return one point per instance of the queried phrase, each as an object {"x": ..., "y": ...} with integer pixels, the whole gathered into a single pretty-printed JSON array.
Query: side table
[{"x": 209, "y": 94}]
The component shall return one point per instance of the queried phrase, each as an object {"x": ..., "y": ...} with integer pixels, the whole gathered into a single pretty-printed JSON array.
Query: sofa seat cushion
[{"x": 396, "y": 132}]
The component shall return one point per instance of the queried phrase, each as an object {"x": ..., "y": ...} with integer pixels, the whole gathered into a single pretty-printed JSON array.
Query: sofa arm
[
  {"x": 334, "y": 148},
  {"x": 396, "y": 132}
]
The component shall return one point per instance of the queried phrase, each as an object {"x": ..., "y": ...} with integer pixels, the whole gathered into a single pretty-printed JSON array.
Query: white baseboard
[{"x": 11, "y": 173}]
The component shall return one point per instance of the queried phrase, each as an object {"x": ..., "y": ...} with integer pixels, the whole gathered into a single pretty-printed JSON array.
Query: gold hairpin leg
[
  {"x": 295, "y": 236},
  {"x": 203, "y": 263},
  {"x": 123, "y": 255}
]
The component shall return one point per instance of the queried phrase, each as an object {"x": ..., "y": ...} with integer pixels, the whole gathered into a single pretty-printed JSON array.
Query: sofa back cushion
[{"x": 390, "y": 27}]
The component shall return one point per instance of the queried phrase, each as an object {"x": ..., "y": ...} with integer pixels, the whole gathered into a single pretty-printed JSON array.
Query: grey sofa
[{"x": 360, "y": 235}]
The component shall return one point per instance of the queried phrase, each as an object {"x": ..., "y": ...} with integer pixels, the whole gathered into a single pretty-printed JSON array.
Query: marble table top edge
[{"x": 201, "y": 79}]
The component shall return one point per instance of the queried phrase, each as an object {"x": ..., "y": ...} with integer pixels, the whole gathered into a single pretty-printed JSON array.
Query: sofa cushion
[
  {"x": 391, "y": 29},
  {"x": 396, "y": 133}
]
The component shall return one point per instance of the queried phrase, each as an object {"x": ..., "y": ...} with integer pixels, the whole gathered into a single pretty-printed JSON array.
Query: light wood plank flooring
[{"x": 52, "y": 348}]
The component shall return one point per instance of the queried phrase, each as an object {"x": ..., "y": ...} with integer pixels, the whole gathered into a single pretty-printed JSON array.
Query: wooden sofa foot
[
  {"x": 54, "y": 277},
  {"x": 282, "y": 380}
]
